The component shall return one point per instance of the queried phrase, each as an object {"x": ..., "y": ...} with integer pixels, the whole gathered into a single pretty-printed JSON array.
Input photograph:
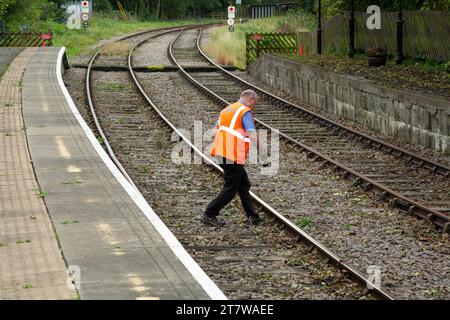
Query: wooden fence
[
  {"x": 223, "y": 15},
  {"x": 259, "y": 43},
  {"x": 426, "y": 35},
  {"x": 25, "y": 39}
]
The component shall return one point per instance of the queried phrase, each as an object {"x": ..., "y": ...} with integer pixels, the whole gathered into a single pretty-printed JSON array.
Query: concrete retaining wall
[{"x": 412, "y": 117}]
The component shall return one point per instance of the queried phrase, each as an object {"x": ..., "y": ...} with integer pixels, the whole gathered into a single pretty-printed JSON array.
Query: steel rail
[
  {"x": 97, "y": 123},
  {"x": 393, "y": 197},
  {"x": 300, "y": 235},
  {"x": 162, "y": 31},
  {"x": 431, "y": 165}
]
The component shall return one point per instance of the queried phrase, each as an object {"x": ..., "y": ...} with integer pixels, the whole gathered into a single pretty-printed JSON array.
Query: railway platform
[{"x": 112, "y": 242}]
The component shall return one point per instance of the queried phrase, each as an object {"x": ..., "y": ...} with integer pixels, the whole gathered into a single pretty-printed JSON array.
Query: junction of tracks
[{"x": 90, "y": 188}]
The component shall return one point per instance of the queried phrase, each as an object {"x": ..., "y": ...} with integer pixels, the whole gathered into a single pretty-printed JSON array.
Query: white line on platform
[{"x": 202, "y": 278}]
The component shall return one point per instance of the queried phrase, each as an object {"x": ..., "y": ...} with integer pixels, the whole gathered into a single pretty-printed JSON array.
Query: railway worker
[{"x": 234, "y": 133}]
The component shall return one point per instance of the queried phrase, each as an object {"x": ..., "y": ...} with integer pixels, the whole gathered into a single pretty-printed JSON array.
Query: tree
[{"x": 17, "y": 13}]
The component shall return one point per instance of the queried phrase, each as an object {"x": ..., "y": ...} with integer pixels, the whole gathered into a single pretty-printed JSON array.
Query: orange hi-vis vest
[{"x": 231, "y": 141}]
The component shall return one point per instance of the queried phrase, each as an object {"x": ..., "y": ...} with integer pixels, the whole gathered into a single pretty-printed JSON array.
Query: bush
[{"x": 102, "y": 6}]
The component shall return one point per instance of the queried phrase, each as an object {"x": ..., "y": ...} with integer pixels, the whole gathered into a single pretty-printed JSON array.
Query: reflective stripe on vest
[
  {"x": 234, "y": 133},
  {"x": 236, "y": 115}
]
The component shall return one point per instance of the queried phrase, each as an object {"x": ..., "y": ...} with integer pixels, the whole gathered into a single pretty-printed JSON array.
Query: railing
[
  {"x": 25, "y": 39},
  {"x": 259, "y": 43}
]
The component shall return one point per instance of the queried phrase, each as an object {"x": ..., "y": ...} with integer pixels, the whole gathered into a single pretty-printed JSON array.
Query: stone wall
[{"x": 409, "y": 116}]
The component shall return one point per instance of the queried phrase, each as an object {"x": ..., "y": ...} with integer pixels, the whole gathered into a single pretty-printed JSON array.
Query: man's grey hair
[{"x": 249, "y": 94}]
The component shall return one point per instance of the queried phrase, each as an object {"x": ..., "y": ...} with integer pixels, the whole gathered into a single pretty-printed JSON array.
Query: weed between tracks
[{"x": 116, "y": 48}]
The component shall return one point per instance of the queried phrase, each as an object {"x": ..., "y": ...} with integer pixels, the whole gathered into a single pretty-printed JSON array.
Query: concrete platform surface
[
  {"x": 31, "y": 264},
  {"x": 106, "y": 229}
]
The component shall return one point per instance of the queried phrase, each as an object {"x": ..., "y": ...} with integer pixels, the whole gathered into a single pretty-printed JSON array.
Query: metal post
[
  {"x": 319, "y": 30},
  {"x": 351, "y": 39},
  {"x": 399, "y": 53}
]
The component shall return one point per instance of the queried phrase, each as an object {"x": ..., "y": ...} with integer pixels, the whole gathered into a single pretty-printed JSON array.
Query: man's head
[{"x": 250, "y": 97}]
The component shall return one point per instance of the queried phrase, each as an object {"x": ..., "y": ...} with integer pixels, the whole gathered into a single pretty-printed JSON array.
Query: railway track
[
  {"x": 245, "y": 262},
  {"x": 419, "y": 186}
]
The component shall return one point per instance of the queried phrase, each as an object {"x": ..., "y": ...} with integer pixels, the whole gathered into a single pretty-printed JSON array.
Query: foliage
[
  {"x": 100, "y": 27},
  {"x": 17, "y": 13},
  {"x": 102, "y": 6},
  {"x": 4, "y": 4},
  {"x": 387, "y": 5}
]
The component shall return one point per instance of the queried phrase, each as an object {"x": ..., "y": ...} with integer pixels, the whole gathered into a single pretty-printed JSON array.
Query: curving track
[
  {"x": 408, "y": 181},
  {"x": 246, "y": 262}
]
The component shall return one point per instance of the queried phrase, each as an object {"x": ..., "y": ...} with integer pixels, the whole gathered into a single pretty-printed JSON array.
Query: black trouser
[{"x": 235, "y": 181}]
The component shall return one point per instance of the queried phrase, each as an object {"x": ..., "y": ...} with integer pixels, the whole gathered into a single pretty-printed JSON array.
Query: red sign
[
  {"x": 46, "y": 36},
  {"x": 85, "y": 4},
  {"x": 230, "y": 9},
  {"x": 258, "y": 37}
]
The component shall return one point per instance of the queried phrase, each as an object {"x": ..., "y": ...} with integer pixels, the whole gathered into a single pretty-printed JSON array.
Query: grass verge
[
  {"x": 100, "y": 28},
  {"x": 228, "y": 48}
]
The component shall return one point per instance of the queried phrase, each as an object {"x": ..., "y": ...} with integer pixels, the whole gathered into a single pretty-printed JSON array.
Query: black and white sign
[
  {"x": 231, "y": 28},
  {"x": 230, "y": 22}
]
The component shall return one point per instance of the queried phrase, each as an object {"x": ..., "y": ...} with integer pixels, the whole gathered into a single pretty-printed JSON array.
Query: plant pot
[{"x": 377, "y": 61}]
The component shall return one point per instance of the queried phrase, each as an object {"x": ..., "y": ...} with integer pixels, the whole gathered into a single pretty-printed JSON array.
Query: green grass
[
  {"x": 70, "y": 221},
  {"x": 78, "y": 42},
  {"x": 23, "y": 241},
  {"x": 160, "y": 141},
  {"x": 155, "y": 68},
  {"x": 41, "y": 194},
  {"x": 27, "y": 286},
  {"x": 75, "y": 181},
  {"x": 145, "y": 169},
  {"x": 100, "y": 140},
  {"x": 113, "y": 86},
  {"x": 304, "y": 222},
  {"x": 121, "y": 119},
  {"x": 228, "y": 48}
]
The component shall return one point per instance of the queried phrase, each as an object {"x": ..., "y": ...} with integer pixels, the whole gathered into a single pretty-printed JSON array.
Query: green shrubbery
[{"x": 100, "y": 27}]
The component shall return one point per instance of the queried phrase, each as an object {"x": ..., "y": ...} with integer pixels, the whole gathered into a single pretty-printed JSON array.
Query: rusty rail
[{"x": 396, "y": 199}]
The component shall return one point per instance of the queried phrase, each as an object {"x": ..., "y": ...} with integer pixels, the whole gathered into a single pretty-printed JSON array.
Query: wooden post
[
  {"x": 399, "y": 53},
  {"x": 351, "y": 36},
  {"x": 319, "y": 29}
]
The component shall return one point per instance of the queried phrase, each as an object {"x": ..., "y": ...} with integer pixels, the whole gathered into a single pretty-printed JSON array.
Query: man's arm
[{"x": 249, "y": 126}]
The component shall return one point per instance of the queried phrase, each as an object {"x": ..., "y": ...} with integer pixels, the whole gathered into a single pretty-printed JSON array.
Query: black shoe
[
  {"x": 212, "y": 221},
  {"x": 254, "y": 219}
]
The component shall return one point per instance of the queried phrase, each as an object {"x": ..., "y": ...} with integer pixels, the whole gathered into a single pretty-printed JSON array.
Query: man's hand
[{"x": 266, "y": 163}]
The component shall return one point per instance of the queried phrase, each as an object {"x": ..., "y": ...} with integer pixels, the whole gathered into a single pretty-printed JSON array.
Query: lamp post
[
  {"x": 399, "y": 53},
  {"x": 351, "y": 38},
  {"x": 319, "y": 30}
]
